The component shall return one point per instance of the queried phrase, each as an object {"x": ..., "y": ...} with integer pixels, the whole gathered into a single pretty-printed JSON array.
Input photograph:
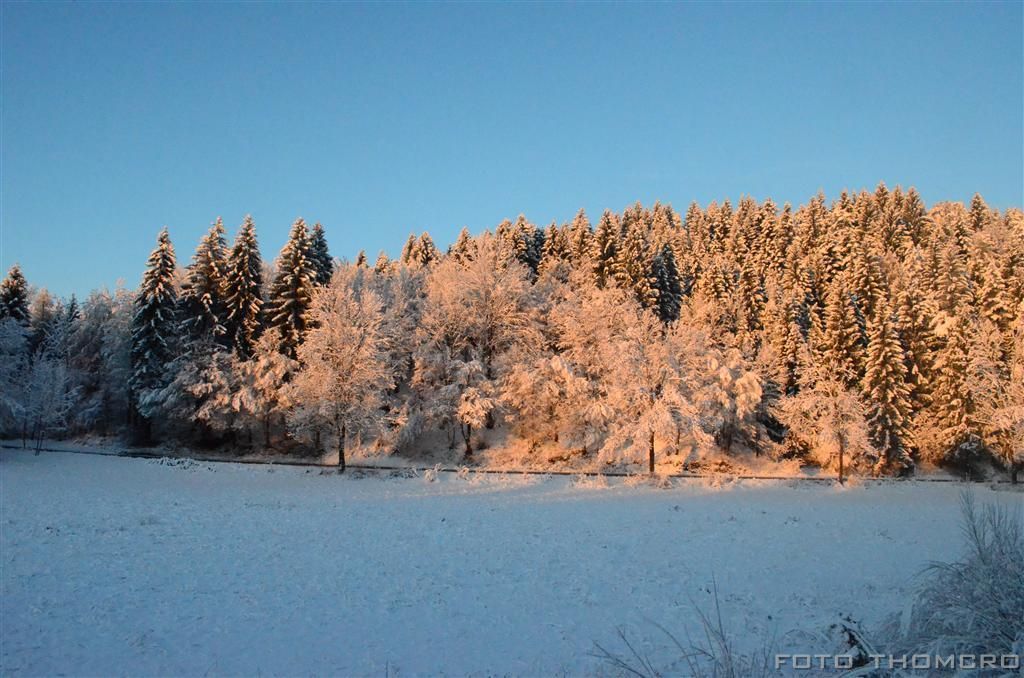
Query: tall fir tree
[
  {"x": 292, "y": 290},
  {"x": 319, "y": 255},
  {"x": 14, "y": 296},
  {"x": 203, "y": 310},
  {"x": 154, "y": 327},
  {"x": 244, "y": 301},
  {"x": 886, "y": 393}
]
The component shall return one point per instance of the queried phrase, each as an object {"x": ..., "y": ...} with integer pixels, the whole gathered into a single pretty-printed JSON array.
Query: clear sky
[{"x": 379, "y": 119}]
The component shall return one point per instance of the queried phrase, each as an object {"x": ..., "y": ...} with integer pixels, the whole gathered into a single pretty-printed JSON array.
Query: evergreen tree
[
  {"x": 604, "y": 249},
  {"x": 154, "y": 327},
  {"x": 319, "y": 255},
  {"x": 292, "y": 291},
  {"x": 244, "y": 291},
  {"x": 425, "y": 252},
  {"x": 842, "y": 344},
  {"x": 556, "y": 248},
  {"x": 408, "y": 249},
  {"x": 667, "y": 286},
  {"x": 887, "y": 394},
  {"x": 203, "y": 311},
  {"x": 14, "y": 296},
  {"x": 462, "y": 250},
  {"x": 361, "y": 259},
  {"x": 383, "y": 263},
  {"x": 580, "y": 236},
  {"x": 633, "y": 265}
]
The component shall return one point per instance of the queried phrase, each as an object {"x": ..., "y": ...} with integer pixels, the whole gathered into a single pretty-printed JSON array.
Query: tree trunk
[
  {"x": 650, "y": 460},
  {"x": 341, "y": 450},
  {"x": 1014, "y": 470},
  {"x": 266, "y": 430},
  {"x": 842, "y": 448},
  {"x": 468, "y": 435}
]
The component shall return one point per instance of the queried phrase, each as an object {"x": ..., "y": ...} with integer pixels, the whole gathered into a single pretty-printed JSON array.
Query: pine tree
[
  {"x": 383, "y": 263},
  {"x": 667, "y": 286},
  {"x": 244, "y": 291},
  {"x": 886, "y": 393},
  {"x": 203, "y": 310},
  {"x": 319, "y": 255},
  {"x": 361, "y": 259},
  {"x": 292, "y": 291},
  {"x": 14, "y": 296},
  {"x": 154, "y": 326}
]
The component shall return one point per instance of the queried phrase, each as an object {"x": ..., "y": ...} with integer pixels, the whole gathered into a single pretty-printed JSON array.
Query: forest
[{"x": 869, "y": 335}]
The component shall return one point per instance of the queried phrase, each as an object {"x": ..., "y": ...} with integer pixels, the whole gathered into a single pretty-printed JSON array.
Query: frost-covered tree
[
  {"x": 14, "y": 361},
  {"x": 828, "y": 418},
  {"x": 292, "y": 290},
  {"x": 473, "y": 313},
  {"x": 345, "y": 369},
  {"x": 14, "y": 296},
  {"x": 244, "y": 290},
  {"x": 154, "y": 328},
  {"x": 260, "y": 399}
]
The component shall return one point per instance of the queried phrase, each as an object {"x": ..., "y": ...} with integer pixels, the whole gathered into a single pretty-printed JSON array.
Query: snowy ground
[{"x": 125, "y": 566}]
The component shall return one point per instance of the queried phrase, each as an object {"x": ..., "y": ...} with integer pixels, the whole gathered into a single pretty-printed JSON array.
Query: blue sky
[{"x": 381, "y": 119}]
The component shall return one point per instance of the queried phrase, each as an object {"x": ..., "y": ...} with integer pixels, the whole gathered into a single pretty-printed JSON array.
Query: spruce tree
[
  {"x": 292, "y": 290},
  {"x": 604, "y": 249},
  {"x": 667, "y": 286},
  {"x": 203, "y": 310},
  {"x": 425, "y": 252},
  {"x": 886, "y": 393},
  {"x": 408, "y": 250},
  {"x": 361, "y": 259},
  {"x": 154, "y": 326},
  {"x": 842, "y": 343},
  {"x": 580, "y": 236},
  {"x": 14, "y": 296},
  {"x": 633, "y": 264},
  {"x": 244, "y": 291},
  {"x": 462, "y": 250},
  {"x": 319, "y": 255},
  {"x": 556, "y": 248}
]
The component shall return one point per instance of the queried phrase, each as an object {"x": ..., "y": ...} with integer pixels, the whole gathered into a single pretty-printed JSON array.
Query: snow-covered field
[{"x": 128, "y": 566}]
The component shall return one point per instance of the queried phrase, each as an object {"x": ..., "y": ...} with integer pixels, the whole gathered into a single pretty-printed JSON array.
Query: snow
[{"x": 115, "y": 566}]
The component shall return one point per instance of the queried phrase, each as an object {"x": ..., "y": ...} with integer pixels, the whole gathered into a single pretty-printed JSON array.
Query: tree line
[{"x": 868, "y": 335}]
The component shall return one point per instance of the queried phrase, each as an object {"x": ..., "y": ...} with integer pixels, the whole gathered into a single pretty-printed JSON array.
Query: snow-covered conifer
[
  {"x": 319, "y": 255},
  {"x": 14, "y": 296},
  {"x": 292, "y": 290},
  {"x": 886, "y": 393},
  {"x": 154, "y": 326},
  {"x": 244, "y": 290},
  {"x": 202, "y": 308}
]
